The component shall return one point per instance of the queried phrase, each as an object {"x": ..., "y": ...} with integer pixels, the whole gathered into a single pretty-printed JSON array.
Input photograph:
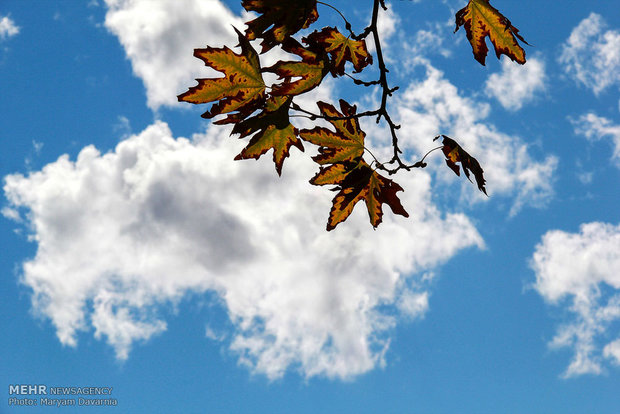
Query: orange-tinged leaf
[
  {"x": 342, "y": 49},
  {"x": 310, "y": 71},
  {"x": 481, "y": 20},
  {"x": 279, "y": 19},
  {"x": 272, "y": 130},
  {"x": 356, "y": 183},
  {"x": 242, "y": 88},
  {"x": 345, "y": 144},
  {"x": 455, "y": 153},
  {"x": 332, "y": 174}
]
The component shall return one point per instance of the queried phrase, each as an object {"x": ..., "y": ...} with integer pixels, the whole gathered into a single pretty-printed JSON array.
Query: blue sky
[{"x": 138, "y": 255}]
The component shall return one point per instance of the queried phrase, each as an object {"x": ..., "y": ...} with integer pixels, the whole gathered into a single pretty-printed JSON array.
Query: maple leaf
[
  {"x": 272, "y": 129},
  {"x": 279, "y": 19},
  {"x": 346, "y": 144},
  {"x": 242, "y": 88},
  {"x": 341, "y": 49},
  {"x": 354, "y": 178},
  {"x": 455, "y": 153},
  {"x": 356, "y": 182},
  {"x": 481, "y": 20},
  {"x": 310, "y": 71}
]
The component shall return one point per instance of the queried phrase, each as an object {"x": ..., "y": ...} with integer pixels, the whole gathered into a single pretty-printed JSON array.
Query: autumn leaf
[
  {"x": 345, "y": 144},
  {"x": 310, "y": 71},
  {"x": 341, "y": 49},
  {"x": 272, "y": 130},
  {"x": 481, "y": 20},
  {"x": 278, "y": 20},
  {"x": 356, "y": 182},
  {"x": 455, "y": 153},
  {"x": 242, "y": 88},
  {"x": 354, "y": 179}
]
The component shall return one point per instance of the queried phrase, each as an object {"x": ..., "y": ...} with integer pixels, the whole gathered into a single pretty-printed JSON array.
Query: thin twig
[
  {"x": 347, "y": 25},
  {"x": 386, "y": 91},
  {"x": 361, "y": 82}
]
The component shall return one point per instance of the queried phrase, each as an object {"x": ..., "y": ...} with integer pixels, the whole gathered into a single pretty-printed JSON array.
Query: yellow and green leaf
[
  {"x": 356, "y": 183},
  {"x": 332, "y": 174},
  {"x": 242, "y": 88},
  {"x": 272, "y": 130},
  {"x": 342, "y": 49},
  {"x": 309, "y": 72},
  {"x": 278, "y": 19},
  {"x": 345, "y": 144},
  {"x": 480, "y": 20}
]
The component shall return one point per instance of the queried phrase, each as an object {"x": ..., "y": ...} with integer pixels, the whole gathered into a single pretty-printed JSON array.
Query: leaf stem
[
  {"x": 434, "y": 149},
  {"x": 346, "y": 22}
]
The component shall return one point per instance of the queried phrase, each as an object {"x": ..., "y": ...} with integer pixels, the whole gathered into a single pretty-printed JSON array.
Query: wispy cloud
[
  {"x": 591, "y": 55},
  {"x": 435, "y": 106},
  {"x": 595, "y": 128},
  {"x": 579, "y": 271},
  {"x": 517, "y": 85},
  {"x": 8, "y": 28}
]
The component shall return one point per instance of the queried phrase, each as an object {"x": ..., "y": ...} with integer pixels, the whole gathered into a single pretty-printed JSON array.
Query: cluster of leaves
[{"x": 262, "y": 112}]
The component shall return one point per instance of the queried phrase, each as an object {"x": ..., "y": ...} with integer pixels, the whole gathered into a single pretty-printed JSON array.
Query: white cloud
[
  {"x": 8, "y": 28},
  {"x": 122, "y": 126},
  {"x": 425, "y": 42},
  {"x": 387, "y": 24},
  {"x": 612, "y": 351},
  {"x": 11, "y": 214},
  {"x": 591, "y": 55},
  {"x": 413, "y": 304},
  {"x": 517, "y": 85},
  {"x": 594, "y": 128},
  {"x": 162, "y": 217},
  {"x": 124, "y": 235},
  {"x": 159, "y": 38},
  {"x": 435, "y": 106},
  {"x": 581, "y": 271}
]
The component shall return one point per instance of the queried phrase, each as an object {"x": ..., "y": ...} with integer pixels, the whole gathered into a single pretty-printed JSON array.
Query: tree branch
[{"x": 386, "y": 92}]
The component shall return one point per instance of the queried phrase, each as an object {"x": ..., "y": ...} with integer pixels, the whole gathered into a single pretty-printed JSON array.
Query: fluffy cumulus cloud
[
  {"x": 591, "y": 55},
  {"x": 595, "y": 127},
  {"x": 159, "y": 38},
  {"x": 434, "y": 106},
  {"x": 517, "y": 85},
  {"x": 580, "y": 271},
  {"x": 8, "y": 27},
  {"x": 123, "y": 233}
]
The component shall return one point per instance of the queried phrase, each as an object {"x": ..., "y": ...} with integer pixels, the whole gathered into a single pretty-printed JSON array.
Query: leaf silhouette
[
  {"x": 310, "y": 71},
  {"x": 481, "y": 20},
  {"x": 455, "y": 153},
  {"x": 346, "y": 144},
  {"x": 272, "y": 129},
  {"x": 242, "y": 88},
  {"x": 341, "y": 49},
  {"x": 278, "y": 20},
  {"x": 356, "y": 182},
  {"x": 260, "y": 112}
]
